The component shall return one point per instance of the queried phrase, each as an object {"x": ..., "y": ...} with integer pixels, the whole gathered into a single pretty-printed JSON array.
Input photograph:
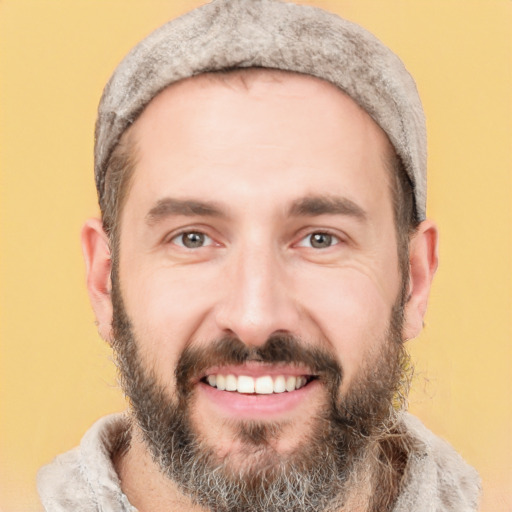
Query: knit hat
[{"x": 226, "y": 34}]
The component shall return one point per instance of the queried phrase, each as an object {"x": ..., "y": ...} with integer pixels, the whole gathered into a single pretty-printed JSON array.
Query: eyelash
[
  {"x": 180, "y": 236},
  {"x": 332, "y": 238}
]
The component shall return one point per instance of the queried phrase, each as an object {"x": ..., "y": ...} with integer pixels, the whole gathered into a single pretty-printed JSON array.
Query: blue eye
[
  {"x": 319, "y": 240},
  {"x": 192, "y": 240}
]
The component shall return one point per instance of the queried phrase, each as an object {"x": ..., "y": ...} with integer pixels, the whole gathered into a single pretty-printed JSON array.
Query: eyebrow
[
  {"x": 309, "y": 206},
  {"x": 188, "y": 207},
  {"x": 312, "y": 206}
]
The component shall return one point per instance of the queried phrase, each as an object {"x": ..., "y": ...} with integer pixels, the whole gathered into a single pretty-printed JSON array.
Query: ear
[
  {"x": 98, "y": 263},
  {"x": 423, "y": 261}
]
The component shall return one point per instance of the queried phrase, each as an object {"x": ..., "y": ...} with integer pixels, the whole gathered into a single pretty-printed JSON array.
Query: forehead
[
  {"x": 264, "y": 86},
  {"x": 279, "y": 128}
]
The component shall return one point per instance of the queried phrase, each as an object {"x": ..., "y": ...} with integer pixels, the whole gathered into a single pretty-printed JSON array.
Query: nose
[{"x": 258, "y": 299}]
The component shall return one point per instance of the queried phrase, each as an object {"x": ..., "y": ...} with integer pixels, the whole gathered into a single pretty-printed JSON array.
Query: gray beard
[{"x": 338, "y": 464}]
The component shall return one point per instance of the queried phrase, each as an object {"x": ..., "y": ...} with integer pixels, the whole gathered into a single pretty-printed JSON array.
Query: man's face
[{"x": 259, "y": 214}]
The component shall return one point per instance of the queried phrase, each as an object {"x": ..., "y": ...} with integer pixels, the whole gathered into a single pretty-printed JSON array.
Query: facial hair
[{"x": 317, "y": 475}]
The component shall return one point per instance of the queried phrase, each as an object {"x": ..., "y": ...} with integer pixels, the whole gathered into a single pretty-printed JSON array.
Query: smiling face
[
  {"x": 258, "y": 210},
  {"x": 257, "y": 271}
]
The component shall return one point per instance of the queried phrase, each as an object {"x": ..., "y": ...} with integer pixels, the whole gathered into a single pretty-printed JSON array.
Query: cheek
[
  {"x": 352, "y": 310},
  {"x": 166, "y": 309}
]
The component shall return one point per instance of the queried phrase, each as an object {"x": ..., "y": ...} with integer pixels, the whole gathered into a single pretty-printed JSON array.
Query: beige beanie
[{"x": 272, "y": 34}]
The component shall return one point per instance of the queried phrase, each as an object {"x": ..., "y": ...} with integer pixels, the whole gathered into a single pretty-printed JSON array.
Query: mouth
[{"x": 255, "y": 391}]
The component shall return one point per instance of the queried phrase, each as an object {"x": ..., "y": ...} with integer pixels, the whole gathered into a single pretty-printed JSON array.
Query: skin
[{"x": 254, "y": 153}]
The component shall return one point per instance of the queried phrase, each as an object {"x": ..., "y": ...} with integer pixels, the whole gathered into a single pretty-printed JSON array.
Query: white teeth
[
  {"x": 265, "y": 385},
  {"x": 231, "y": 383},
  {"x": 221, "y": 382},
  {"x": 245, "y": 384},
  {"x": 279, "y": 384},
  {"x": 290, "y": 383}
]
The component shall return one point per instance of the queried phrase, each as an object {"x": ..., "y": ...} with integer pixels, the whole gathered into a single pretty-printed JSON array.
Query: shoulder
[
  {"x": 437, "y": 478},
  {"x": 84, "y": 478}
]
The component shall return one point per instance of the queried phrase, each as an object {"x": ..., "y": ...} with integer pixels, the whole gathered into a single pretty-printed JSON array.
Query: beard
[{"x": 347, "y": 458}]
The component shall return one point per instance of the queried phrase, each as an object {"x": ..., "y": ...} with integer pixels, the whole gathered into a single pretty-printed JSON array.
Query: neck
[{"x": 373, "y": 486}]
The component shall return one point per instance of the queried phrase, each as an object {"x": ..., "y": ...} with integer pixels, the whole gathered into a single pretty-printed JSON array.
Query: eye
[
  {"x": 319, "y": 240},
  {"x": 192, "y": 240}
]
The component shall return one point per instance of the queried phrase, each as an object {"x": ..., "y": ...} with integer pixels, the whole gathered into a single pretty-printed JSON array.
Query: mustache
[{"x": 278, "y": 349}]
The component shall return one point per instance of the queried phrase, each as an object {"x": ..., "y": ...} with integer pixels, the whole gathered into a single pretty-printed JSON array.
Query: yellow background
[{"x": 56, "y": 375}]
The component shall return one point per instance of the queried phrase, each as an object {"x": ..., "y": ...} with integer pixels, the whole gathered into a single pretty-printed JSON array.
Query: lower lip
[{"x": 257, "y": 406}]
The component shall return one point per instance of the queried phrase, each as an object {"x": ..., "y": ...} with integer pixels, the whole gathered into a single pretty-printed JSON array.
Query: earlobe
[
  {"x": 96, "y": 251},
  {"x": 423, "y": 261}
]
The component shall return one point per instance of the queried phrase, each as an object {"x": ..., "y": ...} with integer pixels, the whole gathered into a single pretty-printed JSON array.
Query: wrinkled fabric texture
[
  {"x": 84, "y": 479},
  {"x": 226, "y": 34}
]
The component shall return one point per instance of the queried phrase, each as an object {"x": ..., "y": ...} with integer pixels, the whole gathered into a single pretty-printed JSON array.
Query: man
[{"x": 262, "y": 257}]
